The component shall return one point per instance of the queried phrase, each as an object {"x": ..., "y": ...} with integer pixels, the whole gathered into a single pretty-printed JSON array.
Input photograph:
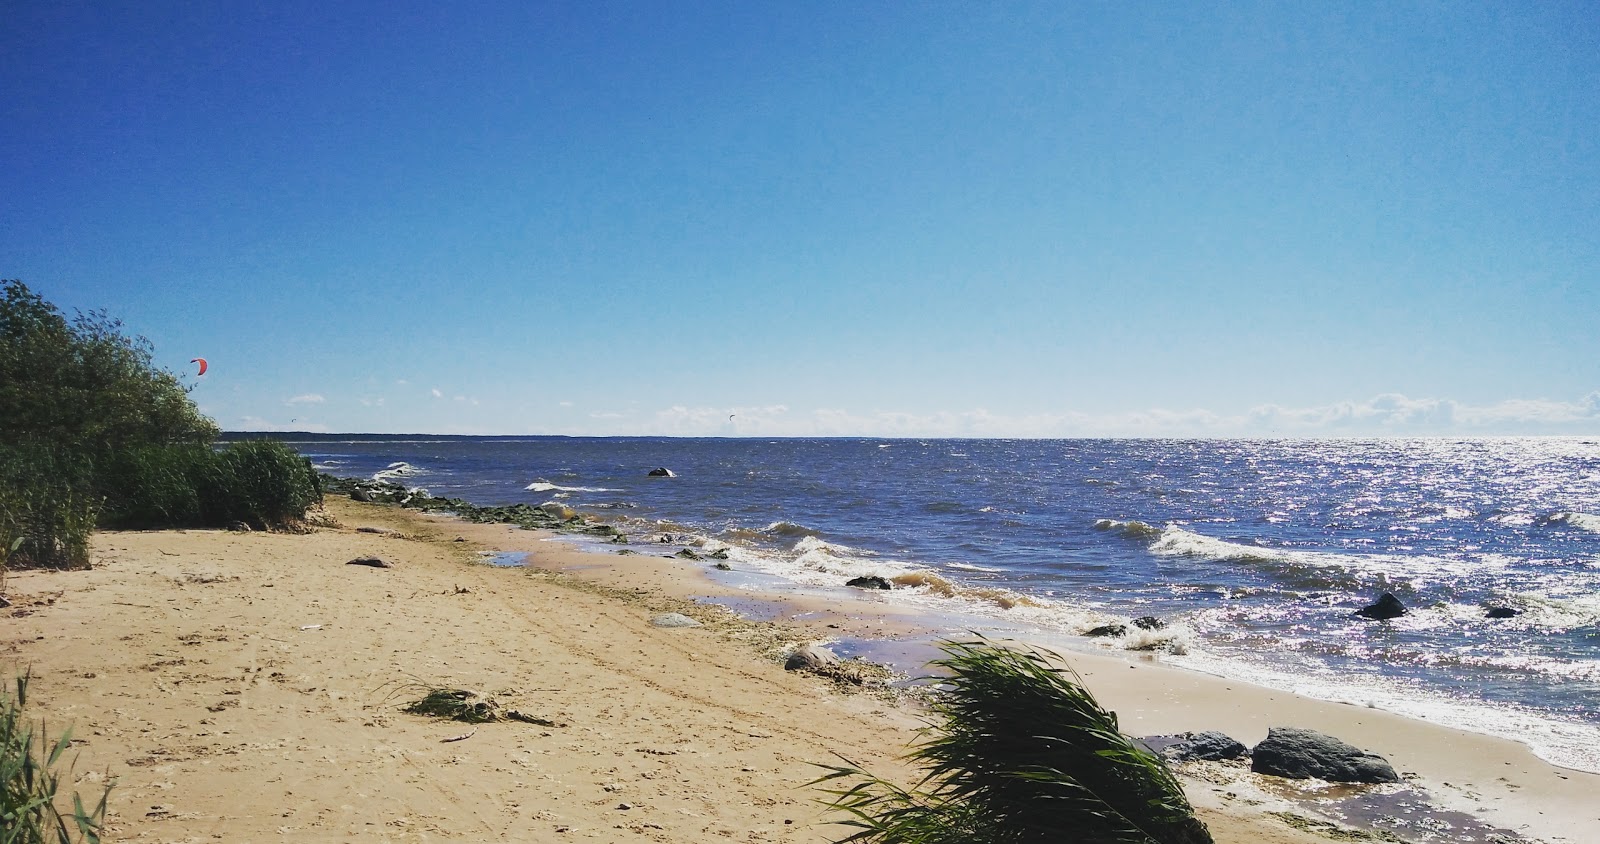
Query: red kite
[{"x": 202, "y": 362}]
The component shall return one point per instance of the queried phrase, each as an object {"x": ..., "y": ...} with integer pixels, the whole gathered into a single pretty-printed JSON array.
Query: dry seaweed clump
[{"x": 469, "y": 706}]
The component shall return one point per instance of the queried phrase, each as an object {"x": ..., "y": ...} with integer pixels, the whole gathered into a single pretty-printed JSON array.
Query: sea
[{"x": 1254, "y": 554}]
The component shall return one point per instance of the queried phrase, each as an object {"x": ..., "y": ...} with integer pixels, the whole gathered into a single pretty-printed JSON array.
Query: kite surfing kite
[{"x": 202, "y": 362}]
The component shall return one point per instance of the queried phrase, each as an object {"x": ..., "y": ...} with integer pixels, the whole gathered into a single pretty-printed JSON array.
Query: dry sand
[{"x": 246, "y": 687}]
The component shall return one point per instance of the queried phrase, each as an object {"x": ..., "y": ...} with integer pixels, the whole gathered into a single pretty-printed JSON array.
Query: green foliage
[
  {"x": 83, "y": 384},
  {"x": 262, "y": 483},
  {"x": 30, "y": 782},
  {"x": 1023, "y": 753},
  {"x": 91, "y": 428},
  {"x": 47, "y": 507},
  {"x": 259, "y": 482}
]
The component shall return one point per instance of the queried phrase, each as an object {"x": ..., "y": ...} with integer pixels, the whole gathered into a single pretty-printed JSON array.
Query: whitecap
[
  {"x": 1582, "y": 521},
  {"x": 546, "y": 486}
]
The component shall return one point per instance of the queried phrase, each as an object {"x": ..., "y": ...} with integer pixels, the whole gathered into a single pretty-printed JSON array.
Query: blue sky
[{"x": 905, "y": 219}]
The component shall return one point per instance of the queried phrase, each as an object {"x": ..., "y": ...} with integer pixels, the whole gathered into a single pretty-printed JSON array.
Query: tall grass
[
  {"x": 1022, "y": 753},
  {"x": 30, "y": 782},
  {"x": 261, "y": 483},
  {"x": 47, "y": 507}
]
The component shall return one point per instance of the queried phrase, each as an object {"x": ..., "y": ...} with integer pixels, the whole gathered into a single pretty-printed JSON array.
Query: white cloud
[
  {"x": 306, "y": 398},
  {"x": 436, "y": 393},
  {"x": 1389, "y": 414}
]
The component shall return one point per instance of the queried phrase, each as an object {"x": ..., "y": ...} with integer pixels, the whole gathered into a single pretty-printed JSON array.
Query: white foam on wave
[
  {"x": 396, "y": 470},
  {"x": 546, "y": 486},
  {"x": 1582, "y": 521},
  {"x": 1568, "y": 744}
]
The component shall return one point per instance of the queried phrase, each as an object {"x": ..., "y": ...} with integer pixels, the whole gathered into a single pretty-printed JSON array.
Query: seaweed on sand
[{"x": 464, "y": 705}]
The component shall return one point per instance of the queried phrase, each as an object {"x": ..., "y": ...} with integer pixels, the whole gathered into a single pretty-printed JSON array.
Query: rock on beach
[{"x": 1298, "y": 753}]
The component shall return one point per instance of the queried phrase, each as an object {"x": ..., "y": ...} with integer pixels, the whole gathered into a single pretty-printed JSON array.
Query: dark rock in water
[
  {"x": 1108, "y": 630},
  {"x": 661, "y": 472},
  {"x": 810, "y": 658},
  {"x": 1387, "y": 606},
  {"x": 687, "y": 555},
  {"x": 719, "y": 554},
  {"x": 375, "y": 562},
  {"x": 1149, "y": 622},
  {"x": 869, "y": 582},
  {"x": 1502, "y": 612},
  {"x": 1300, "y": 754},
  {"x": 723, "y": 567},
  {"x": 1209, "y": 745},
  {"x": 626, "y": 552}
]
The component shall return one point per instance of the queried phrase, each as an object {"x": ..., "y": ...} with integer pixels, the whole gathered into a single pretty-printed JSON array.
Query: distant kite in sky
[{"x": 202, "y": 362}]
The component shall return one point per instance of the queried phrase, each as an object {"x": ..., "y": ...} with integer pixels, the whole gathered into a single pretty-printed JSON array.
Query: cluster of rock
[
  {"x": 1291, "y": 752},
  {"x": 548, "y": 516},
  {"x": 1388, "y": 606}
]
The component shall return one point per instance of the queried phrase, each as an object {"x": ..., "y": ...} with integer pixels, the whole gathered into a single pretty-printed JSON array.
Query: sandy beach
[{"x": 247, "y": 687}]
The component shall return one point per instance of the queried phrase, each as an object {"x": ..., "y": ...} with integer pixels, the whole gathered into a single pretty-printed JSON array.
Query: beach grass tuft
[
  {"x": 1022, "y": 753},
  {"x": 30, "y": 781}
]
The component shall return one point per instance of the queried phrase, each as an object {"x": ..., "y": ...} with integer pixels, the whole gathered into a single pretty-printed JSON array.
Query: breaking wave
[
  {"x": 1581, "y": 521},
  {"x": 546, "y": 486},
  {"x": 395, "y": 471}
]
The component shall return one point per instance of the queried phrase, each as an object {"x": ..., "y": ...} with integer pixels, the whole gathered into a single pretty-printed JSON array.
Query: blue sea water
[{"x": 1255, "y": 552}]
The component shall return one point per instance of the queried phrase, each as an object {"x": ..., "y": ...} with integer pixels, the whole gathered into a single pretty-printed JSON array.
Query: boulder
[
  {"x": 1149, "y": 622},
  {"x": 686, "y": 554},
  {"x": 1108, "y": 630},
  {"x": 557, "y": 511},
  {"x": 810, "y": 658},
  {"x": 721, "y": 566},
  {"x": 1502, "y": 612},
  {"x": 374, "y": 562},
  {"x": 674, "y": 619},
  {"x": 1209, "y": 745},
  {"x": 1386, "y": 607},
  {"x": 661, "y": 472},
  {"x": 1300, "y": 754},
  {"x": 360, "y": 494},
  {"x": 869, "y": 582}
]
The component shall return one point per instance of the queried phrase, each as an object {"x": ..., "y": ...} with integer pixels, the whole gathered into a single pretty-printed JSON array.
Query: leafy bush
[
  {"x": 84, "y": 384},
  {"x": 1024, "y": 753},
  {"x": 87, "y": 419},
  {"x": 30, "y": 782}
]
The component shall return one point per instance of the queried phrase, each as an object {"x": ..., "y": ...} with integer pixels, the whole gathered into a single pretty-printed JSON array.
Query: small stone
[
  {"x": 374, "y": 562},
  {"x": 624, "y": 806}
]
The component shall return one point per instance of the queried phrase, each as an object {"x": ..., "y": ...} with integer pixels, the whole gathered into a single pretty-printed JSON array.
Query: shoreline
[
  {"x": 1461, "y": 771},
  {"x": 189, "y": 585}
]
